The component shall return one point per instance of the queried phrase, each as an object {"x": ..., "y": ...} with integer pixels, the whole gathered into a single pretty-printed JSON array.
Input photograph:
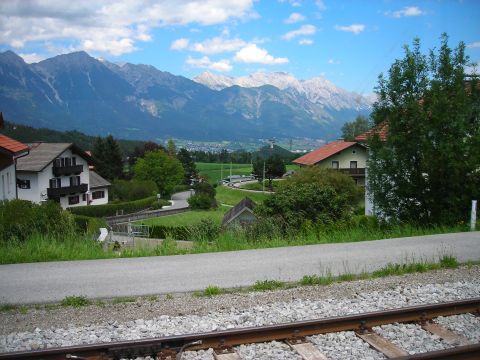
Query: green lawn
[
  {"x": 229, "y": 196},
  {"x": 214, "y": 170},
  {"x": 188, "y": 218}
]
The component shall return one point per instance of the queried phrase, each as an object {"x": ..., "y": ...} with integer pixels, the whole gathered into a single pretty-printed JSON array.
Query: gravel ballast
[{"x": 187, "y": 314}]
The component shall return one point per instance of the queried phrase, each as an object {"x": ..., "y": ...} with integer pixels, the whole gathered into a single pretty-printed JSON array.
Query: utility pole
[
  {"x": 473, "y": 215},
  {"x": 221, "y": 171},
  {"x": 263, "y": 179}
]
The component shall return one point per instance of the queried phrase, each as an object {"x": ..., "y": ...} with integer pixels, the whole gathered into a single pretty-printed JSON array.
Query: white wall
[
  {"x": 32, "y": 194},
  {"x": 353, "y": 153},
  {"x": 8, "y": 183},
  {"x": 101, "y": 201},
  {"x": 40, "y": 181}
]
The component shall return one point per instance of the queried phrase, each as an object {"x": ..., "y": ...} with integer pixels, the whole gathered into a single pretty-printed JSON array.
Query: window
[
  {"x": 335, "y": 165},
  {"x": 72, "y": 200},
  {"x": 57, "y": 162},
  {"x": 55, "y": 183},
  {"x": 8, "y": 182},
  {"x": 23, "y": 184},
  {"x": 68, "y": 161},
  {"x": 354, "y": 151},
  {"x": 98, "y": 194},
  {"x": 84, "y": 197},
  {"x": 74, "y": 161},
  {"x": 74, "y": 180},
  {"x": 353, "y": 164}
]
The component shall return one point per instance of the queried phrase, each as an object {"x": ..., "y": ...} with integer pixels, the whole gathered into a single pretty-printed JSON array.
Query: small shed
[{"x": 241, "y": 214}]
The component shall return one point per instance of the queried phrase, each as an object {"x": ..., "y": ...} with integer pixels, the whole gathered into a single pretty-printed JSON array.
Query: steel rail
[{"x": 234, "y": 337}]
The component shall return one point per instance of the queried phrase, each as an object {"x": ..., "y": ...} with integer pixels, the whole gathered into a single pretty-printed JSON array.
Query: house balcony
[
  {"x": 66, "y": 190},
  {"x": 67, "y": 170},
  {"x": 354, "y": 172}
]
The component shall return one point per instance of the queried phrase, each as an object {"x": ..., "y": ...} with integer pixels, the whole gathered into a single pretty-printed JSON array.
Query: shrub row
[
  {"x": 112, "y": 208},
  {"x": 89, "y": 225},
  {"x": 174, "y": 232},
  {"x": 19, "y": 219}
]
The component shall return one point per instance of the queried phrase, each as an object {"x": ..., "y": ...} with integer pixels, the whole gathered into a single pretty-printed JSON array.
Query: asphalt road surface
[{"x": 52, "y": 281}]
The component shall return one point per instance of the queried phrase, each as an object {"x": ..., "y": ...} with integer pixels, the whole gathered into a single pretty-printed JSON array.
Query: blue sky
[{"x": 347, "y": 42}]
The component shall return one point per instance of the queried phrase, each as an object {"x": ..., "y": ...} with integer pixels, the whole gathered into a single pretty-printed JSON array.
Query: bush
[
  {"x": 341, "y": 183},
  {"x": 134, "y": 189},
  {"x": 158, "y": 204},
  {"x": 205, "y": 230},
  {"x": 112, "y": 208},
  {"x": 205, "y": 188},
  {"x": 201, "y": 202},
  {"x": 20, "y": 218},
  {"x": 295, "y": 203},
  {"x": 204, "y": 197},
  {"x": 89, "y": 225},
  {"x": 174, "y": 232}
]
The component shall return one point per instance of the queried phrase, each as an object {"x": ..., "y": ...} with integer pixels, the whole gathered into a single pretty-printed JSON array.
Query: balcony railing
[
  {"x": 67, "y": 170},
  {"x": 67, "y": 190},
  {"x": 353, "y": 171}
]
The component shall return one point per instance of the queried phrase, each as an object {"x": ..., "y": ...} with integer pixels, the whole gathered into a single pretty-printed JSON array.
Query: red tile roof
[
  {"x": 324, "y": 152},
  {"x": 13, "y": 146},
  {"x": 381, "y": 129}
]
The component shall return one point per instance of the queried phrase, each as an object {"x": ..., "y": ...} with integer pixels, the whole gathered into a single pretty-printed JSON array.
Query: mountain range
[{"x": 77, "y": 91}]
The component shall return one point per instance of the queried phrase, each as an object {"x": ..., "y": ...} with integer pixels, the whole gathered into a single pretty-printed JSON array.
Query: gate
[{"x": 125, "y": 233}]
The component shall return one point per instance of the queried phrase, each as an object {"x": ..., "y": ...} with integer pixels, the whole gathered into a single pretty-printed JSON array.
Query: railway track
[{"x": 294, "y": 334}]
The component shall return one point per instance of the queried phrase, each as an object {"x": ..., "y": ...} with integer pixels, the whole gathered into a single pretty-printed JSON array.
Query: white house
[
  {"x": 10, "y": 151},
  {"x": 59, "y": 172}
]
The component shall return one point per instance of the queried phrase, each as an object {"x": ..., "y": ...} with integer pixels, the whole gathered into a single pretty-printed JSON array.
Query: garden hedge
[{"x": 111, "y": 209}]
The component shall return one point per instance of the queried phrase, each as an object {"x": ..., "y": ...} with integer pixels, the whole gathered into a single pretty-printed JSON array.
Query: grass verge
[{"x": 40, "y": 248}]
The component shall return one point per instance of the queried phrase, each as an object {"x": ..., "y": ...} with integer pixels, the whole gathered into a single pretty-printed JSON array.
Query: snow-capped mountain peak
[{"x": 317, "y": 90}]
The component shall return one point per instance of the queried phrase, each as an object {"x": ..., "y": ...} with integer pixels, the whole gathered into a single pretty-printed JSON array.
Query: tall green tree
[
  {"x": 427, "y": 171},
  {"x": 171, "y": 148},
  {"x": 351, "y": 129},
  {"x": 274, "y": 167},
  {"x": 188, "y": 166},
  {"x": 107, "y": 157},
  {"x": 165, "y": 170}
]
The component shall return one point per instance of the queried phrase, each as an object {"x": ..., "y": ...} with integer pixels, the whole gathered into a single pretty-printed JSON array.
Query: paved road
[
  {"x": 179, "y": 200},
  {"x": 47, "y": 282}
]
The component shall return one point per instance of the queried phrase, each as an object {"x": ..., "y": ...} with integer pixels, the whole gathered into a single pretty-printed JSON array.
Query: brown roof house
[
  {"x": 348, "y": 157},
  {"x": 241, "y": 214},
  {"x": 60, "y": 172},
  {"x": 10, "y": 151}
]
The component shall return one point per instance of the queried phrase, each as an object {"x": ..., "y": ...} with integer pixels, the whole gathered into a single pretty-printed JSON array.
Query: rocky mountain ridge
[{"x": 77, "y": 91}]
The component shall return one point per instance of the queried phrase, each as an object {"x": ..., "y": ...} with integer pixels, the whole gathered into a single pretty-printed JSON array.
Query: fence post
[{"x": 473, "y": 216}]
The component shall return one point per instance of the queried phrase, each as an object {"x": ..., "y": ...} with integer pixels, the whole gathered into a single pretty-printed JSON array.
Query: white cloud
[
  {"x": 304, "y": 30},
  {"x": 354, "y": 28},
  {"x": 217, "y": 45},
  {"x": 180, "y": 44},
  {"x": 474, "y": 45},
  {"x": 205, "y": 63},
  {"x": 333, "y": 61},
  {"x": 294, "y": 18},
  {"x": 320, "y": 5},
  {"x": 253, "y": 54},
  {"x": 32, "y": 57},
  {"x": 114, "y": 26},
  {"x": 406, "y": 11},
  {"x": 305, "y": 42}
]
